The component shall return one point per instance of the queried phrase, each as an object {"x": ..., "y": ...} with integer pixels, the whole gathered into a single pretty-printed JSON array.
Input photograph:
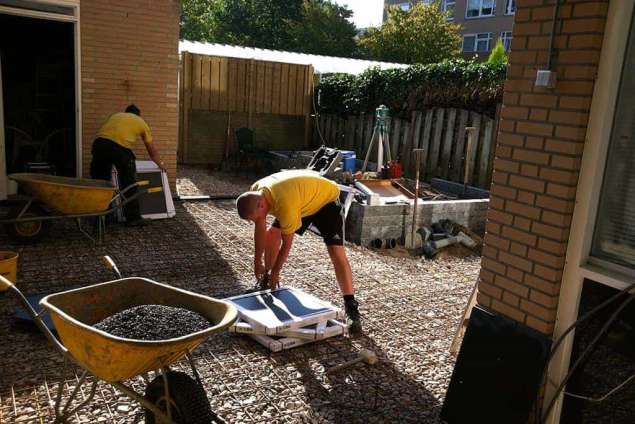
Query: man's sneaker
[{"x": 353, "y": 319}]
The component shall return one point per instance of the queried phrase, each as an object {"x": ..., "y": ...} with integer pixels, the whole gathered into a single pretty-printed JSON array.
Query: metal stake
[
  {"x": 417, "y": 153},
  {"x": 468, "y": 157}
]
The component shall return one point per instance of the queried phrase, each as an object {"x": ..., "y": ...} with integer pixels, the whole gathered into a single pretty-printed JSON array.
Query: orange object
[{"x": 394, "y": 170}]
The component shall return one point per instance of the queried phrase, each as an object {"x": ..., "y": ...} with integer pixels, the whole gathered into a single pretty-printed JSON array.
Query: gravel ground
[
  {"x": 410, "y": 309},
  {"x": 153, "y": 322},
  {"x": 202, "y": 181}
]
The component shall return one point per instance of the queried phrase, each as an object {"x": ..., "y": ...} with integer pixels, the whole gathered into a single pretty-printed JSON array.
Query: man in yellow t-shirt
[
  {"x": 298, "y": 199},
  {"x": 113, "y": 146}
]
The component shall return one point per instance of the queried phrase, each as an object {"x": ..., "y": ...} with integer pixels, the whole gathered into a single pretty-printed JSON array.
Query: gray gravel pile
[{"x": 153, "y": 322}]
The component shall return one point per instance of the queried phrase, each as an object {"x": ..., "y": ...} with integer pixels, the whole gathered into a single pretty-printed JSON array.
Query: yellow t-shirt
[
  {"x": 293, "y": 195},
  {"x": 124, "y": 129}
]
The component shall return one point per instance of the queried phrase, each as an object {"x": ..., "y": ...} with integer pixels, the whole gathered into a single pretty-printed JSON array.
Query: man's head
[
  {"x": 252, "y": 206},
  {"x": 133, "y": 109}
]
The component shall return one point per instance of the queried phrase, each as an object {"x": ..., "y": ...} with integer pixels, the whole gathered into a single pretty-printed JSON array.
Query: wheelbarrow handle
[
  {"x": 5, "y": 284},
  {"x": 37, "y": 317},
  {"x": 111, "y": 265}
]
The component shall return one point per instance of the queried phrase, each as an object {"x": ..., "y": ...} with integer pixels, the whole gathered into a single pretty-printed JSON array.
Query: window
[
  {"x": 506, "y": 38},
  {"x": 614, "y": 234},
  {"x": 510, "y": 7},
  {"x": 477, "y": 42},
  {"x": 448, "y": 6},
  {"x": 404, "y": 6},
  {"x": 480, "y": 8}
]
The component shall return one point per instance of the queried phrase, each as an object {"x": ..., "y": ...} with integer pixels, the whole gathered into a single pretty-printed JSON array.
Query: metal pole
[
  {"x": 417, "y": 153},
  {"x": 380, "y": 151}
]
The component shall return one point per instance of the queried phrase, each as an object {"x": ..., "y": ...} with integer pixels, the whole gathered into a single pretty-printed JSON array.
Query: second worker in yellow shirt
[
  {"x": 113, "y": 147},
  {"x": 298, "y": 199}
]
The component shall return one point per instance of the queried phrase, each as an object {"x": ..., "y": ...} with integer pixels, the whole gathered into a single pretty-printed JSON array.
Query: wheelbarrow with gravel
[
  {"x": 170, "y": 396},
  {"x": 52, "y": 197}
]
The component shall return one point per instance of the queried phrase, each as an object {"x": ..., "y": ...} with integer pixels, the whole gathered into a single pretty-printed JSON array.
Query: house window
[
  {"x": 506, "y": 38},
  {"x": 448, "y": 6},
  {"x": 477, "y": 42},
  {"x": 614, "y": 234},
  {"x": 480, "y": 8},
  {"x": 404, "y": 6},
  {"x": 510, "y": 7}
]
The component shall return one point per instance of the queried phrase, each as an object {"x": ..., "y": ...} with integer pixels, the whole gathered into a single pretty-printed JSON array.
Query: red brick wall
[
  {"x": 129, "y": 54},
  {"x": 540, "y": 143}
]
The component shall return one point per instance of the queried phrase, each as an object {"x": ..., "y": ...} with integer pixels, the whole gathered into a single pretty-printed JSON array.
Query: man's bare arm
[
  {"x": 287, "y": 241},
  {"x": 154, "y": 155},
  {"x": 260, "y": 236}
]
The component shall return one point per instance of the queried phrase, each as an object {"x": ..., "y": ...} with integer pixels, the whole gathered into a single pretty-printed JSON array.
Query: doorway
[{"x": 37, "y": 59}]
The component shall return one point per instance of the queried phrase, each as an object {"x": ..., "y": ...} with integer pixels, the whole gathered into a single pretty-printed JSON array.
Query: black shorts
[{"x": 329, "y": 222}]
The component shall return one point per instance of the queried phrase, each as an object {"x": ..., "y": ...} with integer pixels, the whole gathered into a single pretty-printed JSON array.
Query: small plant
[{"x": 498, "y": 55}]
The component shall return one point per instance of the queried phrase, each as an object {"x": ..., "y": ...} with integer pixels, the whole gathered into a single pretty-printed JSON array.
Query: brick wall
[
  {"x": 129, "y": 53},
  {"x": 540, "y": 143}
]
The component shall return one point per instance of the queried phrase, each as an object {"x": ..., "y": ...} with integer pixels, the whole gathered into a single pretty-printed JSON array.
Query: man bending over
[{"x": 298, "y": 199}]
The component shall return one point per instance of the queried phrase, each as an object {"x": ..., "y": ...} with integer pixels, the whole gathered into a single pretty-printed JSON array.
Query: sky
[{"x": 365, "y": 12}]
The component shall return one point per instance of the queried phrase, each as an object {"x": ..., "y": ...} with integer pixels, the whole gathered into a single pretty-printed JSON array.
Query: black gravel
[{"x": 153, "y": 322}]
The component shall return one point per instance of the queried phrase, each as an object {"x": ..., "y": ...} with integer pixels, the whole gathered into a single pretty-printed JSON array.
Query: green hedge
[{"x": 459, "y": 84}]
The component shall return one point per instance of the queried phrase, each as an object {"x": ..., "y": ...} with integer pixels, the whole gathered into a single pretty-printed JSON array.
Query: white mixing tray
[{"x": 275, "y": 312}]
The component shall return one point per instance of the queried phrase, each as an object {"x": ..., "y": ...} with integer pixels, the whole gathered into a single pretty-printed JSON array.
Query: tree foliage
[
  {"x": 459, "y": 83},
  {"x": 307, "y": 26},
  {"x": 422, "y": 34},
  {"x": 498, "y": 55}
]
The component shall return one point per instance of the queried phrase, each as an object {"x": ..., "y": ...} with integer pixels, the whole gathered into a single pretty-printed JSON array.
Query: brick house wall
[
  {"x": 540, "y": 143},
  {"x": 129, "y": 54}
]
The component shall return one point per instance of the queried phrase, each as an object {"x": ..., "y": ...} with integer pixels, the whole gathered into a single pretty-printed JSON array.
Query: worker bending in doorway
[
  {"x": 113, "y": 146},
  {"x": 298, "y": 199}
]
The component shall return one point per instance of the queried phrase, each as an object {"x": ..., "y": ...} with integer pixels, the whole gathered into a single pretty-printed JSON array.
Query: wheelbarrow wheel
[
  {"x": 30, "y": 231},
  {"x": 188, "y": 401}
]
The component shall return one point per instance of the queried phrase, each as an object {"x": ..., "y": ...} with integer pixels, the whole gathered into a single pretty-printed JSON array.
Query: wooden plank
[
  {"x": 215, "y": 83},
  {"x": 416, "y": 140},
  {"x": 349, "y": 136},
  {"x": 494, "y": 142},
  {"x": 205, "y": 83},
  {"x": 475, "y": 118},
  {"x": 231, "y": 84},
  {"x": 425, "y": 143},
  {"x": 327, "y": 129},
  {"x": 293, "y": 77},
  {"x": 459, "y": 151},
  {"x": 284, "y": 89},
  {"x": 407, "y": 152},
  {"x": 196, "y": 81},
  {"x": 300, "y": 90},
  {"x": 435, "y": 146},
  {"x": 187, "y": 103},
  {"x": 250, "y": 90},
  {"x": 223, "y": 98},
  {"x": 395, "y": 137},
  {"x": 268, "y": 87},
  {"x": 308, "y": 84},
  {"x": 448, "y": 142},
  {"x": 403, "y": 143},
  {"x": 260, "y": 84},
  {"x": 359, "y": 134},
  {"x": 368, "y": 134},
  {"x": 484, "y": 156},
  {"x": 275, "y": 88}
]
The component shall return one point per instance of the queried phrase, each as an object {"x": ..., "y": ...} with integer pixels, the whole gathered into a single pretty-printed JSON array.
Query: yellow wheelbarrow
[
  {"x": 51, "y": 197},
  {"x": 171, "y": 397}
]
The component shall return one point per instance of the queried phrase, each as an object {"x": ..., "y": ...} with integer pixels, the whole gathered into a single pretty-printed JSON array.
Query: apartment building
[{"x": 482, "y": 21}]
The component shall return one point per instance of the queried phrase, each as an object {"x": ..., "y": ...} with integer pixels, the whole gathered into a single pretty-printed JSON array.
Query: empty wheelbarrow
[
  {"x": 51, "y": 197},
  {"x": 171, "y": 397}
]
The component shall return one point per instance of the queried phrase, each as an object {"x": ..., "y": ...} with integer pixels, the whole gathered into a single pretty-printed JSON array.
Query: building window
[
  {"x": 506, "y": 38},
  {"x": 404, "y": 6},
  {"x": 477, "y": 42},
  {"x": 480, "y": 8},
  {"x": 448, "y": 6},
  {"x": 510, "y": 7},
  {"x": 614, "y": 235}
]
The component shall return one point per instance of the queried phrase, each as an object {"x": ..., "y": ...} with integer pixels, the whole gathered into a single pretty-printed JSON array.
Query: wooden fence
[
  {"x": 242, "y": 88},
  {"x": 439, "y": 132}
]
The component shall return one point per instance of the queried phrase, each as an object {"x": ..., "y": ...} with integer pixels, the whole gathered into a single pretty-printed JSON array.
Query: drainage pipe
[
  {"x": 376, "y": 243},
  {"x": 390, "y": 243}
]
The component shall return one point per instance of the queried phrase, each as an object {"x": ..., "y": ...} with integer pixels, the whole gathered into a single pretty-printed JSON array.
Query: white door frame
[
  {"x": 579, "y": 266},
  {"x": 74, "y": 19}
]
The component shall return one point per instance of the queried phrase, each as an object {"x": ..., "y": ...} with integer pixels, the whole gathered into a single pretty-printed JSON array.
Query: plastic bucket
[
  {"x": 348, "y": 160},
  {"x": 9, "y": 265}
]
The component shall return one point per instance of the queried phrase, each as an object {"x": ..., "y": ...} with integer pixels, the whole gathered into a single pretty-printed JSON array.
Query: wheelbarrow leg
[
  {"x": 84, "y": 232},
  {"x": 194, "y": 370}
]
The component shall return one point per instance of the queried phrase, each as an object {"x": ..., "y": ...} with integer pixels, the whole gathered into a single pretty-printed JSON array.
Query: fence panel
[{"x": 439, "y": 132}]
